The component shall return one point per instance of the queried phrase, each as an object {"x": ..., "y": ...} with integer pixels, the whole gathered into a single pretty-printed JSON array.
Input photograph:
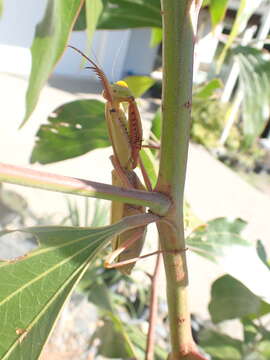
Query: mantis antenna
[{"x": 99, "y": 72}]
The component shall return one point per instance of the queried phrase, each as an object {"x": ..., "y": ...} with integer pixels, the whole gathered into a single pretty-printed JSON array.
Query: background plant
[{"x": 77, "y": 239}]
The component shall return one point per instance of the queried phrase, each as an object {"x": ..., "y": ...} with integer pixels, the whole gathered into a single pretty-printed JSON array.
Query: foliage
[
  {"x": 254, "y": 79},
  {"x": 50, "y": 40},
  {"x": 44, "y": 278},
  {"x": 217, "y": 10},
  {"x": 239, "y": 302},
  {"x": 13, "y": 207},
  {"x": 35, "y": 286},
  {"x": 67, "y": 135},
  {"x": 209, "y": 119},
  {"x": 124, "y": 14},
  {"x": 244, "y": 12},
  {"x": 252, "y": 116},
  {"x": 118, "y": 297},
  {"x": 231, "y": 299},
  {"x": 208, "y": 122}
]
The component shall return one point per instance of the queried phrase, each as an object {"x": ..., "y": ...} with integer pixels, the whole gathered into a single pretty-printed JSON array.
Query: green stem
[
  {"x": 158, "y": 203},
  {"x": 179, "y": 23}
]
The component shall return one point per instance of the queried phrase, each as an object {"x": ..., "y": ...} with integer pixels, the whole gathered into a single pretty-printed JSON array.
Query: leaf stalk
[{"x": 158, "y": 203}]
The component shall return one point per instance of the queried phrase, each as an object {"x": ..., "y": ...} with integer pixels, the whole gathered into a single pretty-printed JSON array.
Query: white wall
[{"x": 16, "y": 33}]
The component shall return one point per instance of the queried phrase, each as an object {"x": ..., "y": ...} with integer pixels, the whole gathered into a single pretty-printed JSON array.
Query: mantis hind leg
[{"x": 136, "y": 236}]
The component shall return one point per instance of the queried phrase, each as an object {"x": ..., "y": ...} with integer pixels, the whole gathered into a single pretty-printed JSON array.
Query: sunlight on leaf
[
  {"x": 150, "y": 164},
  {"x": 216, "y": 238},
  {"x": 220, "y": 241},
  {"x": 217, "y": 10},
  {"x": 51, "y": 37},
  {"x": 73, "y": 129},
  {"x": 157, "y": 124},
  {"x": 34, "y": 287},
  {"x": 139, "y": 84},
  {"x": 207, "y": 90},
  {"x": 245, "y": 10},
  {"x": 156, "y": 37},
  {"x": 93, "y": 10},
  {"x": 254, "y": 76}
]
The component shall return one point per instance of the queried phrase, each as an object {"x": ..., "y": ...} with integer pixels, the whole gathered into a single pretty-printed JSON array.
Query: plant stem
[
  {"x": 179, "y": 24},
  {"x": 158, "y": 203},
  {"x": 153, "y": 308}
]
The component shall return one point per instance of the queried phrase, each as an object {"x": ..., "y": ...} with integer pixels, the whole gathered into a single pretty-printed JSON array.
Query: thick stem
[
  {"x": 179, "y": 24},
  {"x": 158, "y": 203}
]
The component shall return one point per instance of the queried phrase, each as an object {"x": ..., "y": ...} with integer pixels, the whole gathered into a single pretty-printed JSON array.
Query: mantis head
[{"x": 120, "y": 92}]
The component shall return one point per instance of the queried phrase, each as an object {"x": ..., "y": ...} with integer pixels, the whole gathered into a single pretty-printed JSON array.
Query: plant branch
[
  {"x": 153, "y": 311},
  {"x": 179, "y": 28},
  {"x": 158, "y": 203}
]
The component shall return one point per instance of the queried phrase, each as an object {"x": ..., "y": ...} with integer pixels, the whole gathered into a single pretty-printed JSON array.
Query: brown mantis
[{"x": 126, "y": 138}]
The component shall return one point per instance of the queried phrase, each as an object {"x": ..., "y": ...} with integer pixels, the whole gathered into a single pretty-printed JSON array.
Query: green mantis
[{"x": 125, "y": 134}]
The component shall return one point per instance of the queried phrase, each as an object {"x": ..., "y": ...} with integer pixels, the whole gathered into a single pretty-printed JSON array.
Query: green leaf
[
  {"x": 1, "y": 7},
  {"x": 156, "y": 36},
  {"x": 114, "y": 341},
  {"x": 245, "y": 10},
  {"x": 217, "y": 10},
  {"x": 73, "y": 129},
  {"x": 100, "y": 215},
  {"x": 220, "y": 241},
  {"x": 264, "y": 348},
  {"x": 150, "y": 164},
  {"x": 126, "y": 14},
  {"x": 94, "y": 9},
  {"x": 250, "y": 331},
  {"x": 34, "y": 287},
  {"x": 100, "y": 296},
  {"x": 11, "y": 206},
  {"x": 138, "y": 339},
  {"x": 220, "y": 346},
  {"x": 254, "y": 79},
  {"x": 139, "y": 84},
  {"x": 80, "y": 23},
  {"x": 207, "y": 90},
  {"x": 51, "y": 37},
  {"x": 214, "y": 239},
  {"x": 129, "y": 340},
  {"x": 205, "y": 3},
  {"x": 230, "y": 299},
  {"x": 262, "y": 253},
  {"x": 157, "y": 124}
]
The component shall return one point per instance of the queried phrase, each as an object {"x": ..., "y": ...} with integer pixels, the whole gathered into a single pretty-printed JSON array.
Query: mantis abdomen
[{"x": 120, "y": 210}]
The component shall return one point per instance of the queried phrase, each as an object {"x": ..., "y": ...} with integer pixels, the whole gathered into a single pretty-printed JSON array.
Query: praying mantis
[{"x": 125, "y": 134}]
